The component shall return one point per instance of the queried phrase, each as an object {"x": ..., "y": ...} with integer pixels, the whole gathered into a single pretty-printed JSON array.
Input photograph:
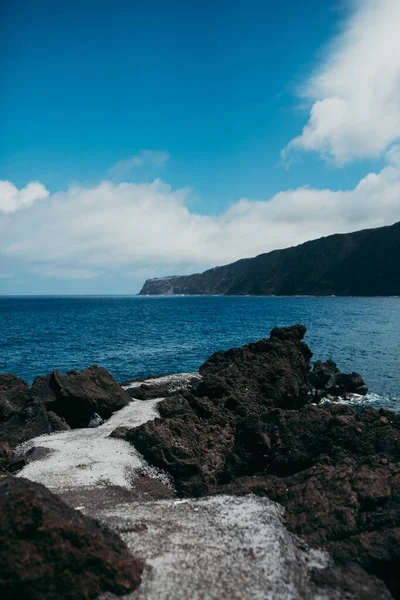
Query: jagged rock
[
  {"x": 326, "y": 380},
  {"x": 193, "y": 443},
  {"x": 337, "y": 472},
  {"x": 21, "y": 418},
  {"x": 9, "y": 462},
  {"x": 14, "y": 394},
  {"x": 48, "y": 551},
  {"x": 57, "y": 423},
  {"x": 119, "y": 433},
  {"x": 31, "y": 421},
  {"x": 269, "y": 373},
  {"x": 77, "y": 396},
  {"x": 251, "y": 426}
]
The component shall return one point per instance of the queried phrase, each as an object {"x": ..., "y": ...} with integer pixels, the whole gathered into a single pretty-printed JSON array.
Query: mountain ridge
[{"x": 361, "y": 263}]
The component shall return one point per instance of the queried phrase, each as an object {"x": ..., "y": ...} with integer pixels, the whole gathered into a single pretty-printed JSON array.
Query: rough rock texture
[
  {"x": 250, "y": 426},
  {"x": 54, "y": 403},
  {"x": 9, "y": 462},
  {"x": 271, "y": 372},
  {"x": 31, "y": 421},
  {"x": 77, "y": 396},
  {"x": 14, "y": 394},
  {"x": 48, "y": 551},
  {"x": 327, "y": 380},
  {"x": 21, "y": 418},
  {"x": 57, "y": 423},
  {"x": 192, "y": 443},
  {"x": 200, "y": 428},
  {"x": 337, "y": 472}
]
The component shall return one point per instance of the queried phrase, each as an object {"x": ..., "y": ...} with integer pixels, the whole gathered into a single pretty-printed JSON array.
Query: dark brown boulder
[
  {"x": 22, "y": 417},
  {"x": 250, "y": 427},
  {"x": 191, "y": 449},
  {"x": 325, "y": 379},
  {"x": 31, "y": 421},
  {"x": 9, "y": 462},
  {"x": 197, "y": 434},
  {"x": 269, "y": 373},
  {"x": 57, "y": 423},
  {"x": 14, "y": 394},
  {"x": 77, "y": 396},
  {"x": 337, "y": 472},
  {"x": 48, "y": 551}
]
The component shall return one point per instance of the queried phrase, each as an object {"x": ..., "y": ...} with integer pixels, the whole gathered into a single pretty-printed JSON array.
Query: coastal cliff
[{"x": 363, "y": 263}]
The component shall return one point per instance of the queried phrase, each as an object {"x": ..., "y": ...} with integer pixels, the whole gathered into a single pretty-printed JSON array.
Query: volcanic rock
[
  {"x": 162, "y": 386},
  {"x": 269, "y": 373},
  {"x": 77, "y": 396},
  {"x": 326, "y": 380},
  {"x": 9, "y": 462},
  {"x": 337, "y": 473},
  {"x": 250, "y": 427},
  {"x": 192, "y": 444},
  {"x": 14, "y": 394},
  {"x": 57, "y": 423},
  {"x": 31, "y": 421},
  {"x": 48, "y": 551}
]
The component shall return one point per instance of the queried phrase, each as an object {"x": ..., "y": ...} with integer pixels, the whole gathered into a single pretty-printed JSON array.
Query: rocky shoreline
[{"x": 254, "y": 429}]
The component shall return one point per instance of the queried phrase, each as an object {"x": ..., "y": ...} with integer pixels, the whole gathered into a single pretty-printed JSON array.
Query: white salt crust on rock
[{"x": 217, "y": 548}]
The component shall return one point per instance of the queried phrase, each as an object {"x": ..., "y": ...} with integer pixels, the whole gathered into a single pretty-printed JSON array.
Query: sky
[{"x": 144, "y": 139}]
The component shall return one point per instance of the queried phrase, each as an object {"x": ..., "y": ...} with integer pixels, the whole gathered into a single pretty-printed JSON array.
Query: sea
[{"x": 140, "y": 336}]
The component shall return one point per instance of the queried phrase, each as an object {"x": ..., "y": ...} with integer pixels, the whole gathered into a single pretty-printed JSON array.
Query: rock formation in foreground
[
  {"x": 252, "y": 425},
  {"x": 55, "y": 402},
  {"x": 364, "y": 263},
  {"x": 48, "y": 551}
]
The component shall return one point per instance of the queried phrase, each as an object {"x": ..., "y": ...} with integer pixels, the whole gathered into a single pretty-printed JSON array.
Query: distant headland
[{"x": 363, "y": 263}]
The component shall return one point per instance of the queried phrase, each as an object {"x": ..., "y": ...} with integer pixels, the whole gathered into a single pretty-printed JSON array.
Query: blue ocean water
[{"x": 140, "y": 336}]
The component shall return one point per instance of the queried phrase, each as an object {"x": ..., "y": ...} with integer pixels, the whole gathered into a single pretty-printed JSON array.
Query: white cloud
[
  {"x": 148, "y": 229},
  {"x": 356, "y": 90},
  {"x": 64, "y": 273},
  {"x": 123, "y": 168},
  {"x": 12, "y": 199}
]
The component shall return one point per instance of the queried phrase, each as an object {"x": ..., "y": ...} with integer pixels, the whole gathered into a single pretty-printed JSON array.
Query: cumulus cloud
[
  {"x": 124, "y": 168},
  {"x": 149, "y": 229},
  {"x": 12, "y": 199},
  {"x": 355, "y": 92}
]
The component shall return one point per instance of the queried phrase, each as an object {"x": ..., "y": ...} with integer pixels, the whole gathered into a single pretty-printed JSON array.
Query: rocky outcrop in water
[
  {"x": 252, "y": 425},
  {"x": 49, "y": 551},
  {"x": 326, "y": 379},
  {"x": 363, "y": 263},
  {"x": 239, "y": 387}
]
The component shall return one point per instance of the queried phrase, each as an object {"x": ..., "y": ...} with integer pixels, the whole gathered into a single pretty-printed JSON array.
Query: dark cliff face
[{"x": 364, "y": 263}]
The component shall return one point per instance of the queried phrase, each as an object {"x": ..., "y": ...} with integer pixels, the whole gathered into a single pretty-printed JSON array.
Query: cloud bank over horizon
[
  {"x": 355, "y": 91},
  {"x": 145, "y": 230}
]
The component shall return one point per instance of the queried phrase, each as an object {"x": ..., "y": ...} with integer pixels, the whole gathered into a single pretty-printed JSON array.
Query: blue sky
[{"x": 186, "y": 109}]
